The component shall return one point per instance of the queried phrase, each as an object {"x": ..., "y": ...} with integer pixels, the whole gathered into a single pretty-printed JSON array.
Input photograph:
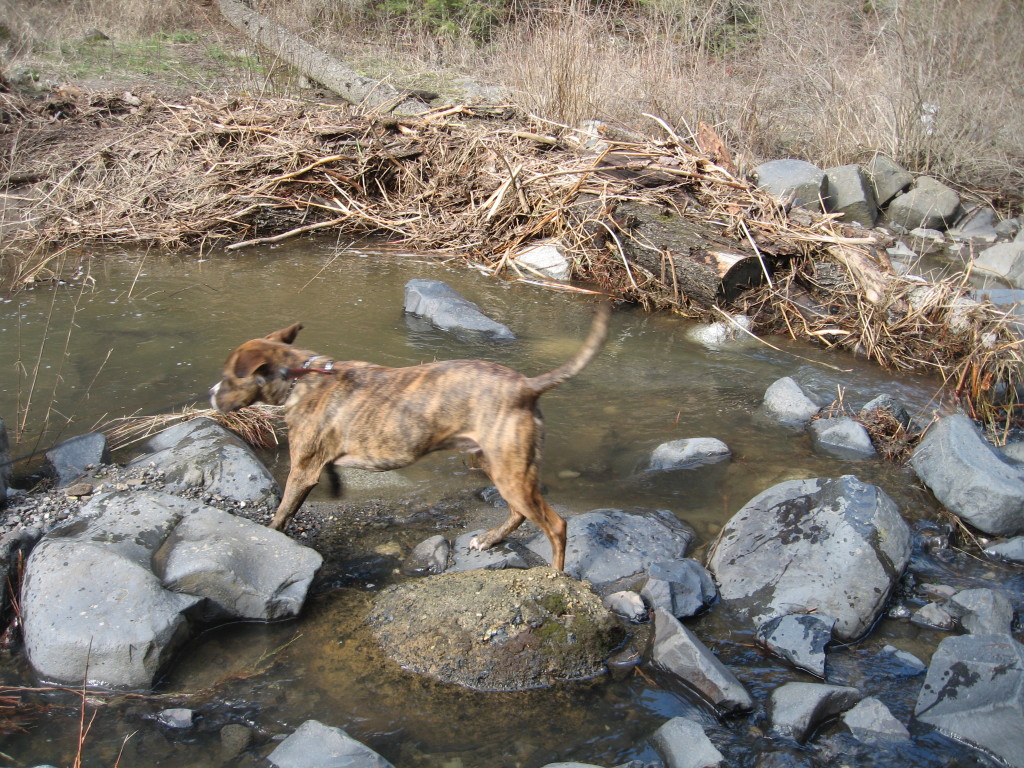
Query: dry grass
[{"x": 258, "y": 425}]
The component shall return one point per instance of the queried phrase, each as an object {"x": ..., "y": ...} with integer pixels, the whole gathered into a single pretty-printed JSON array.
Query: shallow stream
[{"x": 146, "y": 334}]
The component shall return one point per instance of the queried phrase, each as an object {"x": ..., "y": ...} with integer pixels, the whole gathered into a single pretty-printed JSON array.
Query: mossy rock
[{"x": 508, "y": 630}]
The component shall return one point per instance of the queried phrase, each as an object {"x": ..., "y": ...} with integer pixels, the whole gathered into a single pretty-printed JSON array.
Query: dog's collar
[{"x": 308, "y": 367}]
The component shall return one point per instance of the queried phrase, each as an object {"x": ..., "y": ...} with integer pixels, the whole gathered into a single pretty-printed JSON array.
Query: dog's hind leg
[{"x": 525, "y": 502}]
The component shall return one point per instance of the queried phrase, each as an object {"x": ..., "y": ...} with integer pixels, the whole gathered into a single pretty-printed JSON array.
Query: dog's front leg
[{"x": 302, "y": 478}]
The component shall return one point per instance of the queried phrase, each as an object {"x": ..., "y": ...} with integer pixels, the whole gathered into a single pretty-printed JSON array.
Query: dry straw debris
[{"x": 483, "y": 182}]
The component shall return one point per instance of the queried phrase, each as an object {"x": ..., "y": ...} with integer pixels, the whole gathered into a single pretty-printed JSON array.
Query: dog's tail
[{"x": 592, "y": 345}]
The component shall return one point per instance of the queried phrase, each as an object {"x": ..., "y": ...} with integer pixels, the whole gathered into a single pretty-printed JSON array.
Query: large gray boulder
[
  {"x": 1005, "y": 260},
  {"x": 201, "y": 453},
  {"x": 315, "y": 745},
  {"x": 678, "y": 652},
  {"x": 98, "y": 608},
  {"x": 970, "y": 477},
  {"x": 887, "y": 178},
  {"x": 974, "y": 691},
  {"x": 796, "y": 180},
  {"x": 850, "y": 193},
  {"x": 443, "y": 306},
  {"x": 930, "y": 204},
  {"x": 832, "y": 546},
  {"x": 614, "y": 548}
]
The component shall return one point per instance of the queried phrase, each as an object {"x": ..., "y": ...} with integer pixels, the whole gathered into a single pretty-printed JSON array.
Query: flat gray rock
[
  {"x": 1005, "y": 260},
  {"x": 682, "y": 743},
  {"x": 682, "y": 587},
  {"x": 871, "y": 722},
  {"x": 983, "y": 611},
  {"x": 687, "y": 660},
  {"x": 502, "y": 555},
  {"x": 842, "y": 437},
  {"x": 614, "y": 548},
  {"x": 444, "y": 307},
  {"x": 929, "y": 204},
  {"x": 974, "y": 691},
  {"x": 887, "y": 178},
  {"x": 688, "y": 452},
  {"x": 850, "y": 193},
  {"x": 315, "y": 745},
  {"x": 795, "y": 180},
  {"x": 800, "y": 639},
  {"x": 831, "y": 546}
]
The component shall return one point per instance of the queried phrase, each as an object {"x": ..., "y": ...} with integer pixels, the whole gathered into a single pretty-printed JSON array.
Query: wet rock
[
  {"x": 983, "y": 611},
  {"x": 785, "y": 402},
  {"x": 689, "y": 452},
  {"x": 241, "y": 569},
  {"x": 201, "y": 453},
  {"x": 842, "y": 437},
  {"x": 717, "y": 335},
  {"x": 933, "y": 615},
  {"x": 887, "y": 178},
  {"x": 505, "y": 554},
  {"x": 315, "y": 745},
  {"x": 974, "y": 691},
  {"x": 68, "y": 461},
  {"x": 780, "y": 759},
  {"x": 14, "y": 549},
  {"x": 614, "y": 548},
  {"x": 798, "y": 708},
  {"x": 683, "y": 588},
  {"x": 95, "y": 610},
  {"x": 622, "y": 663},
  {"x": 443, "y": 306},
  {"x": 930, "y": 204},
  {"x": 970, "y": 477},
  {"x": 627, "y": 604},
  {"x": 682, "y": 743},
  {"x": 545, "y": 258},
  {"x": 908, "y": 663},
  {"x": 234, "y": 740},
  {"x": 496, "y": 630},
  {"x": 795, "y": 180},
  {"x": 1008, "y": 549},
  {"x": 870, "y": 721},
  {"x": 1005, "y": 260},
  {"x": 850, "y": 193},
  {"x": 800, "y": 639},
  {"x": 178, "y": 718},
  {"x": 687, "y": 660},
  {"x": 428, "y": 558},
  {"x": 831, "y": 546}
]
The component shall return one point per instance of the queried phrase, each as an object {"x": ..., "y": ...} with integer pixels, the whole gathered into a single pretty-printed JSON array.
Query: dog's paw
[{"x": 474, "y": 544}]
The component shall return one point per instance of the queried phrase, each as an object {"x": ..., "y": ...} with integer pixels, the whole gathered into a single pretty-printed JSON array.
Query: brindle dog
[{"x": 356, "y": 414}]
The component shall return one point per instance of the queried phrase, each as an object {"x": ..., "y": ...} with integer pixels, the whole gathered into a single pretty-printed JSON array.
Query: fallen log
[{"x": 334, "y": 75}]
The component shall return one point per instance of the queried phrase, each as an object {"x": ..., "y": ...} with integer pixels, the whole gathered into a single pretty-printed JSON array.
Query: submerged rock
[
  {"x": 831, "y": 546},
  {"x": 443, "y": 306},
  {"x": 785, "y": 402},
  {"x": 683, "y": 744},
  {"x": 688, "y": 452},
  {"x": 315, "y": 745},
  {"x": 871, "y": 722},
  {"x": 505, "y": 630}
]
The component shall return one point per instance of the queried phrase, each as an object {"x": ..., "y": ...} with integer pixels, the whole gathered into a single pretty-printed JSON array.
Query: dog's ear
[
  {"x": 248, "y": 362},
  {"x": 285, "y": 335}
]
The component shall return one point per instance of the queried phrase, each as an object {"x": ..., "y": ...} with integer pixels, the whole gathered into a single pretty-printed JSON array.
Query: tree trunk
[{"x": 315, "y": 64}]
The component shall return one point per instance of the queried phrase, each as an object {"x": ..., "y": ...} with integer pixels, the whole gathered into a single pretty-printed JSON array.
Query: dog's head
[{"x": 257, "y": 371}]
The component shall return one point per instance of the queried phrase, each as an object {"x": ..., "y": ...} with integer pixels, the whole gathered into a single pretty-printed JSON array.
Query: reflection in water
[{"x": 152, "y": 334}]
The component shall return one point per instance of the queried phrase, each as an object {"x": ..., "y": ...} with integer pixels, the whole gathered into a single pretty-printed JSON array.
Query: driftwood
[{"x": 316, "y": 65}]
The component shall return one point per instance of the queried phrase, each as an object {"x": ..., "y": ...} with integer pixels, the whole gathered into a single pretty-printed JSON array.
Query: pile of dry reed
[{"x": 204, "y": 176}]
